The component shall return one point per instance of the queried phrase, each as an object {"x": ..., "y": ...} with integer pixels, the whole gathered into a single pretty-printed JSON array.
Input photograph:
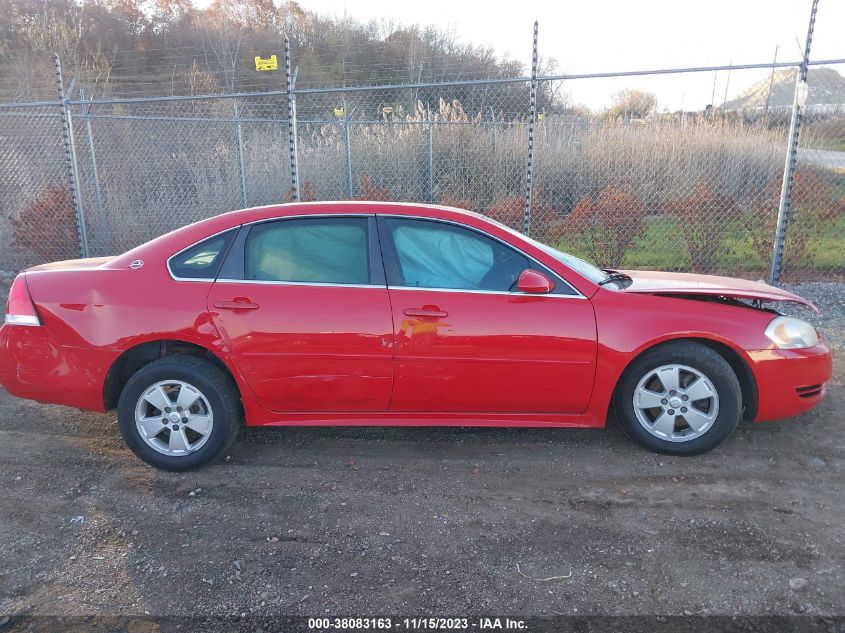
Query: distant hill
[{"x": 826, "y": 87}]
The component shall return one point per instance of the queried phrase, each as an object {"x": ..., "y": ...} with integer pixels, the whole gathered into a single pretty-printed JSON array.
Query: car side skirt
[{"x": 424, "y": 419}]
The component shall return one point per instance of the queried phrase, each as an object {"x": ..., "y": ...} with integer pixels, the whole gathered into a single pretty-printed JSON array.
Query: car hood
[{"x": 654, "y": 282}]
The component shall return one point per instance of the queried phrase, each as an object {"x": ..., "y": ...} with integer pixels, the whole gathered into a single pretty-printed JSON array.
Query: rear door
[
  {"x": 303, "y": 307},
  {"x": 467, "y": 340}
]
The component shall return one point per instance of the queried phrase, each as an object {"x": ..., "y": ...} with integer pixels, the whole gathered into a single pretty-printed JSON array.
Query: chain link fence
[
  {"x": 36, "y": 212},
  {"x": 815, "y": 239},
  {"x": 148, "y": 167},
  {"x": 677, "y": 190},
  {"x": 684, "y": 190}
]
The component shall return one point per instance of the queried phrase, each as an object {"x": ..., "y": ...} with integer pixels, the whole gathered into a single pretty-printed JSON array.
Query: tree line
[{"x": 172, "y": 47}]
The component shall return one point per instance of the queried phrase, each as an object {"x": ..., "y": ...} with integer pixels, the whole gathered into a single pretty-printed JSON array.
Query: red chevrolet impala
[{"x": 361, "y": 313}]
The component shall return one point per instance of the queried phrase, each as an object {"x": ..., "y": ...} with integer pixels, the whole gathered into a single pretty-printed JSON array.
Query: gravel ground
[
  {"x": 427, "y": 521},
  {"x": 829, "y": 297}
]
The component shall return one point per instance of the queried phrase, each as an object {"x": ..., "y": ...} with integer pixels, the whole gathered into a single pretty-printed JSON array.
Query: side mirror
[{"x": 534, "y": 282}]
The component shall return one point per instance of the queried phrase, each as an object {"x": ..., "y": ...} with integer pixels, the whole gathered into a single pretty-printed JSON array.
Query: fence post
[
  {"x": 798, "y": 101},
  {"x": 430, "y": 158},
  {"x": 70, "y": 157},
  {"x": 290, "y": 78},
  {"x": 240, "y": 150},
  {"x": 529, "y": 171},
  {"x": 348, "y": 145},
  {"x": 493, "y": 128},
  {"x": 95, "y": 174}
]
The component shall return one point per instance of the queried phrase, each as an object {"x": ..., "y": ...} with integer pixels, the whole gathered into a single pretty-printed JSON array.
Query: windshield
[
  {"x": 585, "y": 269},
  {"x": 577, "y": 264}
]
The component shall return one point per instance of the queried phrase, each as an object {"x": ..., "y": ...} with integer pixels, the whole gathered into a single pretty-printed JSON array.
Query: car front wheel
[
  {"x": 179, "y": 412},
  {"x": 680, "y": 398}
]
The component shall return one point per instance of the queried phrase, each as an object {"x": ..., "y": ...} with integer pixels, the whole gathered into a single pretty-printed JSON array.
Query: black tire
[
  {"x": 216, "y": 387},
  {"x": 696, "y": 356}
]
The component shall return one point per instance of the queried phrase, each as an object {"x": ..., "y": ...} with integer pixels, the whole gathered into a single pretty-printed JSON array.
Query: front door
[
  {"x": 466, "y": 340},
  {"x": 306, "y": 315}
]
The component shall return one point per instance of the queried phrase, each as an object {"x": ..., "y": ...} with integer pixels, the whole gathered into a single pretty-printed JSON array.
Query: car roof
[
  {"x": 181, "y": 238},
  {"x": 184, "y": 236},
  {"x": 266, "y": 212}
]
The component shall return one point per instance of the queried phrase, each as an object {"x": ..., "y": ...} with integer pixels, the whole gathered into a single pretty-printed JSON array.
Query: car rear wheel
[
  {"x": 179, "y": 412},
  {"x": 680, "y": 398}
]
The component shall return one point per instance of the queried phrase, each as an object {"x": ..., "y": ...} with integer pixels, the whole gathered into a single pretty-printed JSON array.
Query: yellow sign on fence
[{"x": 271, "y": 63}]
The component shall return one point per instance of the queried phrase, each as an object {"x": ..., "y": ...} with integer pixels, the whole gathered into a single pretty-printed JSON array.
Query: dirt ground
[{"x": 346, "y": 521}]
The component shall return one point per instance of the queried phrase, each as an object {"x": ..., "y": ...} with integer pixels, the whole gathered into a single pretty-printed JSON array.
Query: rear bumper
[
  {"x": 790, "y": 381},
  {"x": 34, "y": 366}
]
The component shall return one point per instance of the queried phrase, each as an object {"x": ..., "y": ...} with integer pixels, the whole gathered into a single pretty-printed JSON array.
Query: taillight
[{"x": 19, "y": 307}]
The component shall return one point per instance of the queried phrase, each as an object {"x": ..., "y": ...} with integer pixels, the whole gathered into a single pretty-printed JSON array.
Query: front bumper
[{"x": 790, "y": 381}]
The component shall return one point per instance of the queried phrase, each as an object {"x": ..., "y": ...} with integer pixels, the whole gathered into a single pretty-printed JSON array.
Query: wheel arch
[
  {"x": 141, "y": 354},
  {"x": 740, "y": 366}
]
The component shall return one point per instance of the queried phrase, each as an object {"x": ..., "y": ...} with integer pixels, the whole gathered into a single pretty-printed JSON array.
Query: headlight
[{"x": 791, "y": 333}]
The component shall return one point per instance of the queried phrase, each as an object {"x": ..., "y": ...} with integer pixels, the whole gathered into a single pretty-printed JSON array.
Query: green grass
[
  {"x": 828, "y": 251},
  {"x": 662, "y": 247}
]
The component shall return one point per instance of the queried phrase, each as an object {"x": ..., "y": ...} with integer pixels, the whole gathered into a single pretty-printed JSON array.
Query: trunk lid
[{"x": 72, "y": 264}]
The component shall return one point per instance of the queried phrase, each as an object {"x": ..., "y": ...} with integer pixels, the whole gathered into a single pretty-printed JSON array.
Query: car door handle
[
  {"x": 432, "y": 312},
  {"x": 236, "y": 305}
]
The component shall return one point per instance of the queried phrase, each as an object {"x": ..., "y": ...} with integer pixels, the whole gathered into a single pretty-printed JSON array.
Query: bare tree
[{"x": 630, "y": 103}]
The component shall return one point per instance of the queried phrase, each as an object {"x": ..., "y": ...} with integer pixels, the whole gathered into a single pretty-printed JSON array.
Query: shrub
[
  {"x": 371, "y": 192},
  {"x": 703, "y": 217},
  {"x": 608, "y": 226},
  {"x": 811, "y": 208},
  {"x": 47, "y": 226},
  {"x": 510, "y": 211},
  {"x": 448, "y": 200},
  {"x": 307, "y": 192}
]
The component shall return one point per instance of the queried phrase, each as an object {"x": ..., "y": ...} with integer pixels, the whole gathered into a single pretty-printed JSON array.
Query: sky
[{"x": 612, "y": 35}]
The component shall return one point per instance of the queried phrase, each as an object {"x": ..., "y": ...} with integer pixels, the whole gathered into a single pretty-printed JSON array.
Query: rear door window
[{"x": 309, "y": 250}]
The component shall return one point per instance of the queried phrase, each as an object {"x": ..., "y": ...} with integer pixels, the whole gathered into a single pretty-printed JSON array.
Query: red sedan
[{"x": 361, "y": 313}]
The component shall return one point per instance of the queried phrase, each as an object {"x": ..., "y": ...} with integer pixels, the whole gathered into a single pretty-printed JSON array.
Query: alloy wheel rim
[
  {"x": 676, "y": 403},
  {"x": 174, "y": 418}
]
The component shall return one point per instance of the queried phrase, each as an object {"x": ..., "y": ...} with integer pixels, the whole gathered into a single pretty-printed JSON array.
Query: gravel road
[
  {"x": 419, "y": 521},
  {"x": 823, "y": 158}
]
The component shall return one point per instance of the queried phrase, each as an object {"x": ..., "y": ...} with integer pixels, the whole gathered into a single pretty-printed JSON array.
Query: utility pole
[
  {"x": 713, "y": 94},
  {"x": 771, "y": 83}
]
